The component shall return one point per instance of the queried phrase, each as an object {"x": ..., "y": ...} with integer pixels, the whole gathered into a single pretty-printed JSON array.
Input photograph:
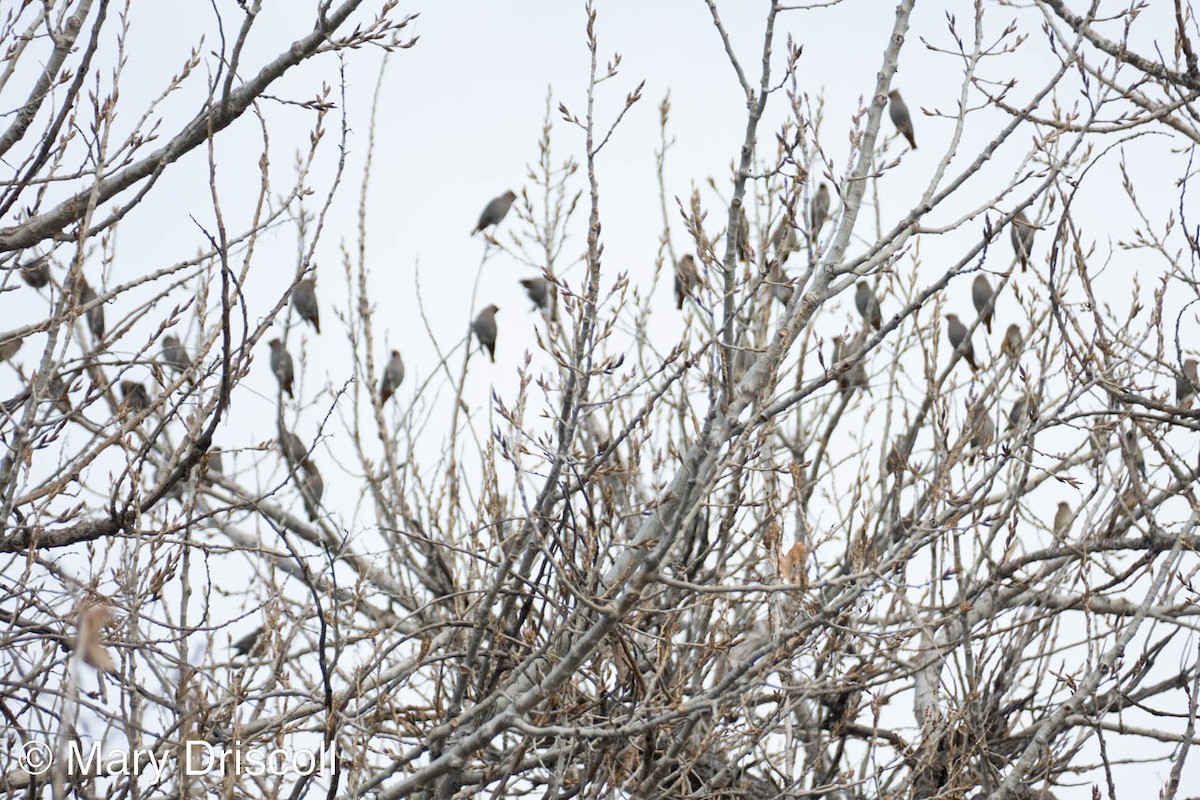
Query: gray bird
[
  {"x": 1185, "y": 384},
  {"x": 213, "y": 462},
  {"x": 957, "y": 333},
  {"x": 281, "y": 366},
  {"x": 9, "y": 349},
  {"x": 135, "y": 399},
  {"x": 252, "y": 642},
  {"x": 1018, "y": 413},
  {"x": 538, "y": 291},
  {"x": 781, "y": 285},
  {"x": 980, "y": 429},
  {"x": 95, "y": 315},
  {"x": 484, "y": 328},
  {"x": 687, "y": 278},
  {"x": 784, "y": 240},
  {"x": 1011, "y": 346},
  {"x": 1021, "y": 232},
  {"x": 867, "y": 305},
  {"x": 856, "y": 376},
  {"x": 981, "y": 295},
  {"x": 1063, "y": 518},
  {"x": 495, "y": 211},
  {"x": 393, "y": 376},
  {"x": 36, "y": 273},
  {"x": 293, "y": 449},
  {"x": 1133, "y": 452},
  {"x": 304, "y": 300},
  {"x": 174, "y": 355},
  {"x": 901, "y": 118},
  {"x": 819, "y": 212},
  {"x": 742, "y": 237},
  {"x": 314, "y": 487}
]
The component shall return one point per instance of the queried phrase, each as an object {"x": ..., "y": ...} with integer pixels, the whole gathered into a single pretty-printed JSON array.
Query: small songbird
[
  {"x": 1062, "y": 520},
  {"x": 304, "y": 300},
  {"x": 1021, "y": 232},
  {"x": 819, "y": 212},
  {"x": 213, "y": 462},
  {"x": 742, "y": 237},
  {"x": 9, "y": 349},
  {"x": 393, "y": 376},
  {"x": 868, "y": 305},
  {"x": 484, "y": 327},
  {"x": 1185, "y": 384},
  {"x": 856, "y": 376},
  {"x": 957, "y": 333},
  {"x": 293, "y": 449},
  {"x": 981, "y": 295},
  {"x": 135, "y": 399},
  {"x": 36, "y": 273},
  {"x": 252, "y": 642},
  {"x": 538, "y": 291},
  {"x": 95, "y": 315},
  {"x": 1019, "y": 412},
  {"x": 281, "y": 366},
  {"x": 174, "y": 355},
  {"x": 495, "y": 211},
  {"x": 314, "y": 487},
  {"x": 980, "y": 429},
  {"x": 1011, "y": 346},
  {"x": 687, "y": 278},
  {"x": 1133, "y": 452},
  {"x": 783, "y": 239},
  {"x": 781, "y": 285},
  {"x": 901, "y": 118}
]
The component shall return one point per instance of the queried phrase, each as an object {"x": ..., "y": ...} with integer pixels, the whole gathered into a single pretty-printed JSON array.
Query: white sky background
[{"x": 458, "y": 123}]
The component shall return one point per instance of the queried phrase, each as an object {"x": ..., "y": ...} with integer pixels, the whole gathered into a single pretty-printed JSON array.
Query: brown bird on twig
[
  {"x": 304, "y": 300},
  {"x": 281, "y": 366},
  {"x": 1021, "y": 233},
  {"x": 538, "y": 291},
  {"x": 981, "y": 295},
  {"x": 901, "y": 118},
  {"x": 687, "y": 278},
  {"x": 867, "y": 305},
  {"x": 484, "y": 328},
  {"x": 393, "y": 376},
  {"x": 495, "y": 211},
  {"x": 957, "y": 333},
  {"x": 1013, "y": 341}
]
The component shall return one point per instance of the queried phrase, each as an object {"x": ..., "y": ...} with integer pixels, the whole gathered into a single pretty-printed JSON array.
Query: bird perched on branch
[
  {"x": 1021, "y": 232},
  {"x": 36, "y": 273},
  {"x": 95, "y": 314},
  {"x": 393, "y": 376},
  {"x": 867, "y": 305},
  {"x": 781, "y": 285},
  {"x": 538, "y": 291},
  {"x": 135, "y": 398},
  {"x": 174, "y": 355},
  {"x": 1135, "y": 459},
  {"x": 901, "y": 118},
  {"x": 687, "y": 278},
  {"x": 1013, "y": 341},
  {"x": 304, "y": 300},
  {"x": 1063, "y": 518},
  {"x": 9, "y": 349},
  {"x": 819, "y": 211},
  {"x": 957, "y": 333},
  {"x": 1185, "y": 384},
  {"x": 980, "y": 429},
  {"x": 281, "y": 366},
  {"x": 313, "y": 487},
  {"x": 293, "y": 449},
  {"x": 495, "y": 211},
  {"x": 981, "y": 295},
  {"x": 484, "y": 328}
]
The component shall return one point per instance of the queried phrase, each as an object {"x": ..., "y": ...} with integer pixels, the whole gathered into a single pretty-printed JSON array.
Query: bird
[
  {"x": 819, "y": 211},
  {"x": 781, "y": 285},
  {"x": 901, "y": 118},
  {"x": 1185, "y": 384},
  {"x": 95, "y": 315},
  {"x": 9, "y": 349},
  {"x": 868, "y": 305},
  {"x": 1011, "y": 346},
  {"x": 174, "y": 355},
  {"x": 783, "y": 239},
  {"x": 958, "y": 334},
  {"x": 980, "y": 429},
  {"x": 213, "y": 462},
  {"x": 484, "y": 328},
  {"x": 1019, "y": 412},
  {"x": 856, "y": 375},
  {"x": 1133, "y": 452},
  {"x": 304, "y": 300},
  {"x": 314, "y": 487},
  {"x": 742, "y": 237},
  {"x": 981, "y": 295},
  {"x": 293, "y": 449},
  {"x": 36, "y": 273},
  {"x": 538, "y": 290},
  {"x": 250, "y": 643},
  {"x": 1063, "y": 518},
  {"x": 393, "y": 376},
  {"x": 897, "y": 458},
  {"x": 135, "y": 399},
  {"x": 281, "y": 366},
  {"x": 1021, "y": 232},
  {"x": 687, "y": 278},
  {"x": 495, "y": 211}
]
